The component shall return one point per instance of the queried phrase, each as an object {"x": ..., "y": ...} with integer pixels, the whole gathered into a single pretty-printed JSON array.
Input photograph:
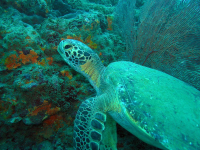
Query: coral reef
[{"x": 39, "y": 93}]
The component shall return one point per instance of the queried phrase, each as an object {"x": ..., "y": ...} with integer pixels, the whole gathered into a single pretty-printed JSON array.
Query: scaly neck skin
[{"x": 93, "y": 71}]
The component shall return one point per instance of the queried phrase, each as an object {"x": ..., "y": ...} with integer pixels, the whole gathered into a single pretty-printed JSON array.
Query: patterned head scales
[{"x": 78, "y": 55}]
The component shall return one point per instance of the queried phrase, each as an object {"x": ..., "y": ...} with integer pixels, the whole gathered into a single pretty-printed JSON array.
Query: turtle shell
[{"x": 164, "y": 107}]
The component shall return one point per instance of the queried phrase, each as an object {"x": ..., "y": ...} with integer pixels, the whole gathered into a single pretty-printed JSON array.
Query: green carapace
[{"x": 154, "y": 106}]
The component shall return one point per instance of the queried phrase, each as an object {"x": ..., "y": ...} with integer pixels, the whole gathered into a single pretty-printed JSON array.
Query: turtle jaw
[{"x": 61, "y": 50}]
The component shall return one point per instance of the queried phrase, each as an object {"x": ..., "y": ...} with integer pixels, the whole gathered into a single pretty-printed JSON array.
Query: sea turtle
[{"x": 154, "y": 106}]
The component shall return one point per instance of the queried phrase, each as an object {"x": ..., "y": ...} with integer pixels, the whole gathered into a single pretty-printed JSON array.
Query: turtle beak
[{"x": 60, "y": 48}]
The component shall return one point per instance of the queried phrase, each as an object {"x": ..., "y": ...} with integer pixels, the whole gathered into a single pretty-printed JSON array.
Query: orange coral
[
  {"x": 90, "y": 43},
  {"x": 55, "y": 47},
  {"x": 90, "y": 25},
  {"x": 70, "y": 37},
  {"x": 24, "y": 58},
  {"x": 42, "y": 63},
  {"x": 109, "y": 19},
  {"x": 55, "y": 120},
  {"x": 42, "y": 48},
  {"x": 75, "y": 38},
  {"x": 43, "y": 107},
  {"x": 27, "y": 81},
  {"x": 87, "y": 41},
  {"x": 53, "y": 111},
  {"x": 28, "y": 37},
  {"x": 50, "y": 59},
  {"x": 46, "y": 107},
  {"x": 51, "y": 120},
  {"x": 66, "y": 73},
  {"x": 12, "y": 62},
  {"x": 87, "y": 28},
  {"x": 32, "y": 57}
]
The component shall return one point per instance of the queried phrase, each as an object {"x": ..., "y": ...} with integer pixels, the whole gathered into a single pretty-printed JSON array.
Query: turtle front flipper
[{"x": 89, "y": 127}]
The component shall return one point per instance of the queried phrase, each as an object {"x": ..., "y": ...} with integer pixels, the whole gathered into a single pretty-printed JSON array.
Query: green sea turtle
[{"x": 154, "y": 106}]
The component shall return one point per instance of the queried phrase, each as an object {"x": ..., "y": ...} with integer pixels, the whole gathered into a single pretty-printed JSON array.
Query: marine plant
[{"x": 163, "y": 35}]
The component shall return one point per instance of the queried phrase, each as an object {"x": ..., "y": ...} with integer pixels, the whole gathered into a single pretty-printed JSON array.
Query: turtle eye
[{"x": 67, "y": 46}]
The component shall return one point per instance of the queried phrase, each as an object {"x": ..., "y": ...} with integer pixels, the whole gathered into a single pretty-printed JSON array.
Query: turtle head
[{"x": 82, "y": 59}]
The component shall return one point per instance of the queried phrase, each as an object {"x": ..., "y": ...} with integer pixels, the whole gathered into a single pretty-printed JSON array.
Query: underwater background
[{"x": 40, "y": 94}]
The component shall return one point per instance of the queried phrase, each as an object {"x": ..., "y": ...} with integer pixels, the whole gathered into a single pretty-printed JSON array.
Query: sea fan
[{"x": 164, "y": 35}]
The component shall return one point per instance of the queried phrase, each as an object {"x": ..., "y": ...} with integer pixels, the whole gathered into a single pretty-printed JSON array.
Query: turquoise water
[{"x": 40, "y": 94}]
